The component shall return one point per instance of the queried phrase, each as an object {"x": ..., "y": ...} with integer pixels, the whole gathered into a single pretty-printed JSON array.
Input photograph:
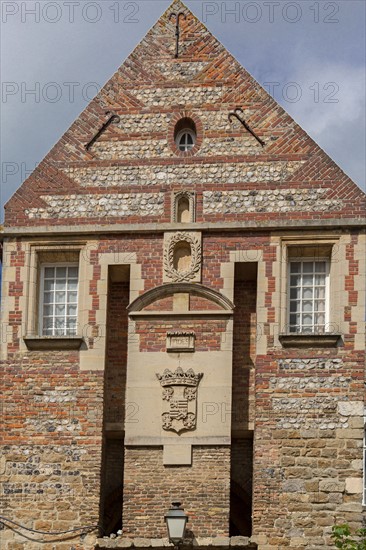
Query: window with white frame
[
  {"x": 308, "y": 293},
  {"x": 59, "y": 299},
  {"x": 186, "y": 139}
]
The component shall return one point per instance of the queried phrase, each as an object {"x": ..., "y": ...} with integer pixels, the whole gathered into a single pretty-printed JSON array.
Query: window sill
[
  {"x": 309, "y": 340},
  {"x": 53, "y": 343}
]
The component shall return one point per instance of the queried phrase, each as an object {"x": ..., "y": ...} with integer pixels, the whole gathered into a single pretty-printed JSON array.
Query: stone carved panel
[
  {"x": 182, "y": 257},
  {"x": 180, "y": 341},
  {"x": 179, "y": 399}
]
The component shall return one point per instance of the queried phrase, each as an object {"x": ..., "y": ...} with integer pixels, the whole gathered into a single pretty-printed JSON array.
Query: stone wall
[
  {"x": 149, "y": 94},
  {"x": 51, "y": 435},
  {"x": 308, "y": 443}
]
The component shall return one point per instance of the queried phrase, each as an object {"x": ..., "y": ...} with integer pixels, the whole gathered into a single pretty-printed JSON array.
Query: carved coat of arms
[{"x": 179, "y": 399}]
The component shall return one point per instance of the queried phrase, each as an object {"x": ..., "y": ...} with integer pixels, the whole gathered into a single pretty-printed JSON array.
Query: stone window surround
[
  {"x": 90, "y": 358},
  {"x": 302, "y": 247},
  {"x": 39, "y": 254}
]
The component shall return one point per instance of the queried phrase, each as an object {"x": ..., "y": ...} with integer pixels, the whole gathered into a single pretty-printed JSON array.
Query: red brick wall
[{"x": 150, "y": 488}]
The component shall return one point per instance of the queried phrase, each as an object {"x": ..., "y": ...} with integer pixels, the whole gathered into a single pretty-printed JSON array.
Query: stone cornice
[{"x": 248, "y": 225}]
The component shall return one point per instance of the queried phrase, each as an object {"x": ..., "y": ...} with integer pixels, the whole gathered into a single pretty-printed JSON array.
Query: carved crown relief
[
  {"x": 182, "y": 257},
  {"x": 179, "y": 399}
]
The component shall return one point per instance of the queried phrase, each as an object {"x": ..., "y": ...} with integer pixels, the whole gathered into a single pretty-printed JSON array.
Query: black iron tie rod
[
  {"x": 177, "y": 31},
  {"x": 245, "y": 124},
  {"x": 112, "y": 118}
]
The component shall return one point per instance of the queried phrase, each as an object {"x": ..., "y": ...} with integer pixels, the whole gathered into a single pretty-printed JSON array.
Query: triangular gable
[{"x": 147, "y": 92}]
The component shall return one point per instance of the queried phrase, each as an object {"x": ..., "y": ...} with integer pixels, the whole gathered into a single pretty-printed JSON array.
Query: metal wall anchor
[
  {"x": 177, "y": 31},
  {"x": 245, "y": 124},
  {"x": 112, "y": 118}
]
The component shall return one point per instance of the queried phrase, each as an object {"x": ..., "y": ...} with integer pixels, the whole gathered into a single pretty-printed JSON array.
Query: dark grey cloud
[{"x": 309, "y": 54}]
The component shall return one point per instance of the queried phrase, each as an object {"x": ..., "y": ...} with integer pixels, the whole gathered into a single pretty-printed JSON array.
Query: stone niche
[
  {"x": 182, "y": 256},
  {"x": 183, "y": 207}
]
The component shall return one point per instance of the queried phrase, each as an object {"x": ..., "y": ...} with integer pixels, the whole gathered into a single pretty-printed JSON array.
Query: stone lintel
[{"x": 309, "y": 340}]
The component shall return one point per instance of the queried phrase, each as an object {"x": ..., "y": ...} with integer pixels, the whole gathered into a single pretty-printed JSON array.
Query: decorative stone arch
[
  {"x": 178, "y": 198},
  {"x": 169, "y": 289}
]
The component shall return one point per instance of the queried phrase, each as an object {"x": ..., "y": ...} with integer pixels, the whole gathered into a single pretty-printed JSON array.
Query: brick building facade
[{"x": 183, "y": 303}]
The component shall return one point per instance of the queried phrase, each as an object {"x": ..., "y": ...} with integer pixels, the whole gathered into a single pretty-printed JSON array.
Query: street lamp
[{"x": 176, "y": 521}]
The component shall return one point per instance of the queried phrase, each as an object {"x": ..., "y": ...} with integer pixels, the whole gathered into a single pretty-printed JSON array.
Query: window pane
[
  {"x": 60, "y": 297},
  {"x": 307, "y": 280},
  {"x": 319, "y": 292},
  {"x": 294, "y": 306},
  {"x": 72, "y": 297},
  {"x": 60, "y": 272},
  {"x": 307, "y": 293},
  {"x": 71, "y": 324},
  {"x": 72, "y": 285},
  {"x": 48, "y": 297},
  {"x": 307, "y": 319},
  {"x": 307, "y": 305},
  {"x": 294, "y": 319},
  {"x": 49, "y": 285},
  {"x": 319, "y": 305},
  {"x": 294, "y": 293},
  {"x": 71, "y": 310},
  {"x": 320, "y": 267},
  {"x": 49, "y": 272},
  {"x": 320, "y": 279},
  {"x": 73, "y": 272},
  {"x": 295, "y": 267},
  {"x": 61, "y": 284},
  {"x": 47, "y": 327},
  {"x": 47, "y": 310},
  {"x": 320, "y": 318},
  {"x": 60, "y": 309},
  {"x": 295, "y": 280},
  {"x": 308, "y": 267},
  {"x": 59, "y": 322}
]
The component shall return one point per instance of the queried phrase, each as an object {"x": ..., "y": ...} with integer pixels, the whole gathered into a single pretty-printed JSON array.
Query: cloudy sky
[{"x": 310, "y": 55}]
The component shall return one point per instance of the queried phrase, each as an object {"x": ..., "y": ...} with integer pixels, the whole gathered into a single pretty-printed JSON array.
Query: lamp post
[{"x": 176, "y": 521}]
